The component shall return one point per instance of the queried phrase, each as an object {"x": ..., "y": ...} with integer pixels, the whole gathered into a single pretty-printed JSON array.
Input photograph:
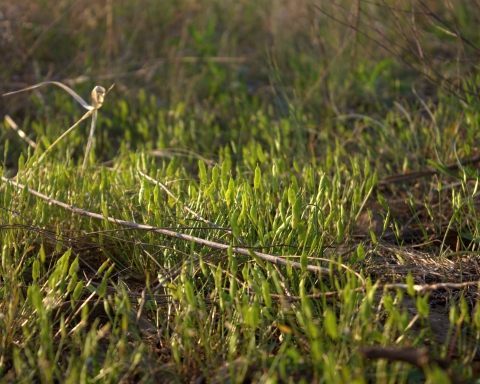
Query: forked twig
[{"x": 237, "y": 249}]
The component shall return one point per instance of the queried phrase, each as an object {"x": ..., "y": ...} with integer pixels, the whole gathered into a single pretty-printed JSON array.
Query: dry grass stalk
[
  {"x": 98, "y": 97},
  {"x": 22, "y": 134}
]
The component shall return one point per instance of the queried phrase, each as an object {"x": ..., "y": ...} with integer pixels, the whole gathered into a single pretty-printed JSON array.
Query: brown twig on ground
[
  {"x": 419, "y": 288},
  {"x": 166, "y": 232},
  {"x": 418, "y": 357},
  {"x": 416, "y": 175}
]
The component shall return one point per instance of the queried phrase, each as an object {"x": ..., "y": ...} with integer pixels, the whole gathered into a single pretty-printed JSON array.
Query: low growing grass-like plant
[{"x": 271, "y": 205}]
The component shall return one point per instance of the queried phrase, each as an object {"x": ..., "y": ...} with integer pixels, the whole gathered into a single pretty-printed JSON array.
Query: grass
[{"x": 241, "y": 217}]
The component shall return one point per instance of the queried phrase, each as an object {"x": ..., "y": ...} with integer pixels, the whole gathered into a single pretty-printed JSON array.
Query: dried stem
[{"x": 166, "y": 232}]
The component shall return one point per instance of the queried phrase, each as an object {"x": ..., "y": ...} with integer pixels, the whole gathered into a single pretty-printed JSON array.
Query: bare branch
[
  {"x": 166, "y": 232},
  {"x": 418, "y": 357}
]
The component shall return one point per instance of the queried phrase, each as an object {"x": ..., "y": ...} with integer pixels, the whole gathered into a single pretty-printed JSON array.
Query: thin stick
[
  {"x": 418, "y": 357},
  {"x": 166, "y": 232},
  {"x": 419, "y": 288},
  {"x": 415, "y": 175},
  {"x": 20, "y": 132}
]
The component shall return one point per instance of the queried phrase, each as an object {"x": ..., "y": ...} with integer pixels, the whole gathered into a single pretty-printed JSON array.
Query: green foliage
[{"x": 278, "y": 152}]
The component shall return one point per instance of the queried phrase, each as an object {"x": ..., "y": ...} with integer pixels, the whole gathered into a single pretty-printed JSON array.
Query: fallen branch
[
  {"x": 416, "y": 175},
  {"x": 419, "y": 288},
  {"x": 166, "y": 232},
  {"x": 418, "y": 357}
]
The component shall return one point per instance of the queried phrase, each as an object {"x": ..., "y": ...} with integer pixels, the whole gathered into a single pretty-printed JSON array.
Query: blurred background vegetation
[{"x": 221, "y": 63}]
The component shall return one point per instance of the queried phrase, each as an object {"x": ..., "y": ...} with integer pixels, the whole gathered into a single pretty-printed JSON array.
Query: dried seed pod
[{"x": 98, "y": 95}]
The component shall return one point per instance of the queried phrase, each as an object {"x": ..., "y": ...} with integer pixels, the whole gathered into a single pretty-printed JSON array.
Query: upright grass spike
[{"x": 98, "y": 97}]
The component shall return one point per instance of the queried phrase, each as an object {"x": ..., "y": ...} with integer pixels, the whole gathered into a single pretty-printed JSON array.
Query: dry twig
[
  {"x": 166, "y": 232},
  {"x": 415, "y": 175},
  {"x": 418, "y": 357},
  {"x": 419, "y": 288}
]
